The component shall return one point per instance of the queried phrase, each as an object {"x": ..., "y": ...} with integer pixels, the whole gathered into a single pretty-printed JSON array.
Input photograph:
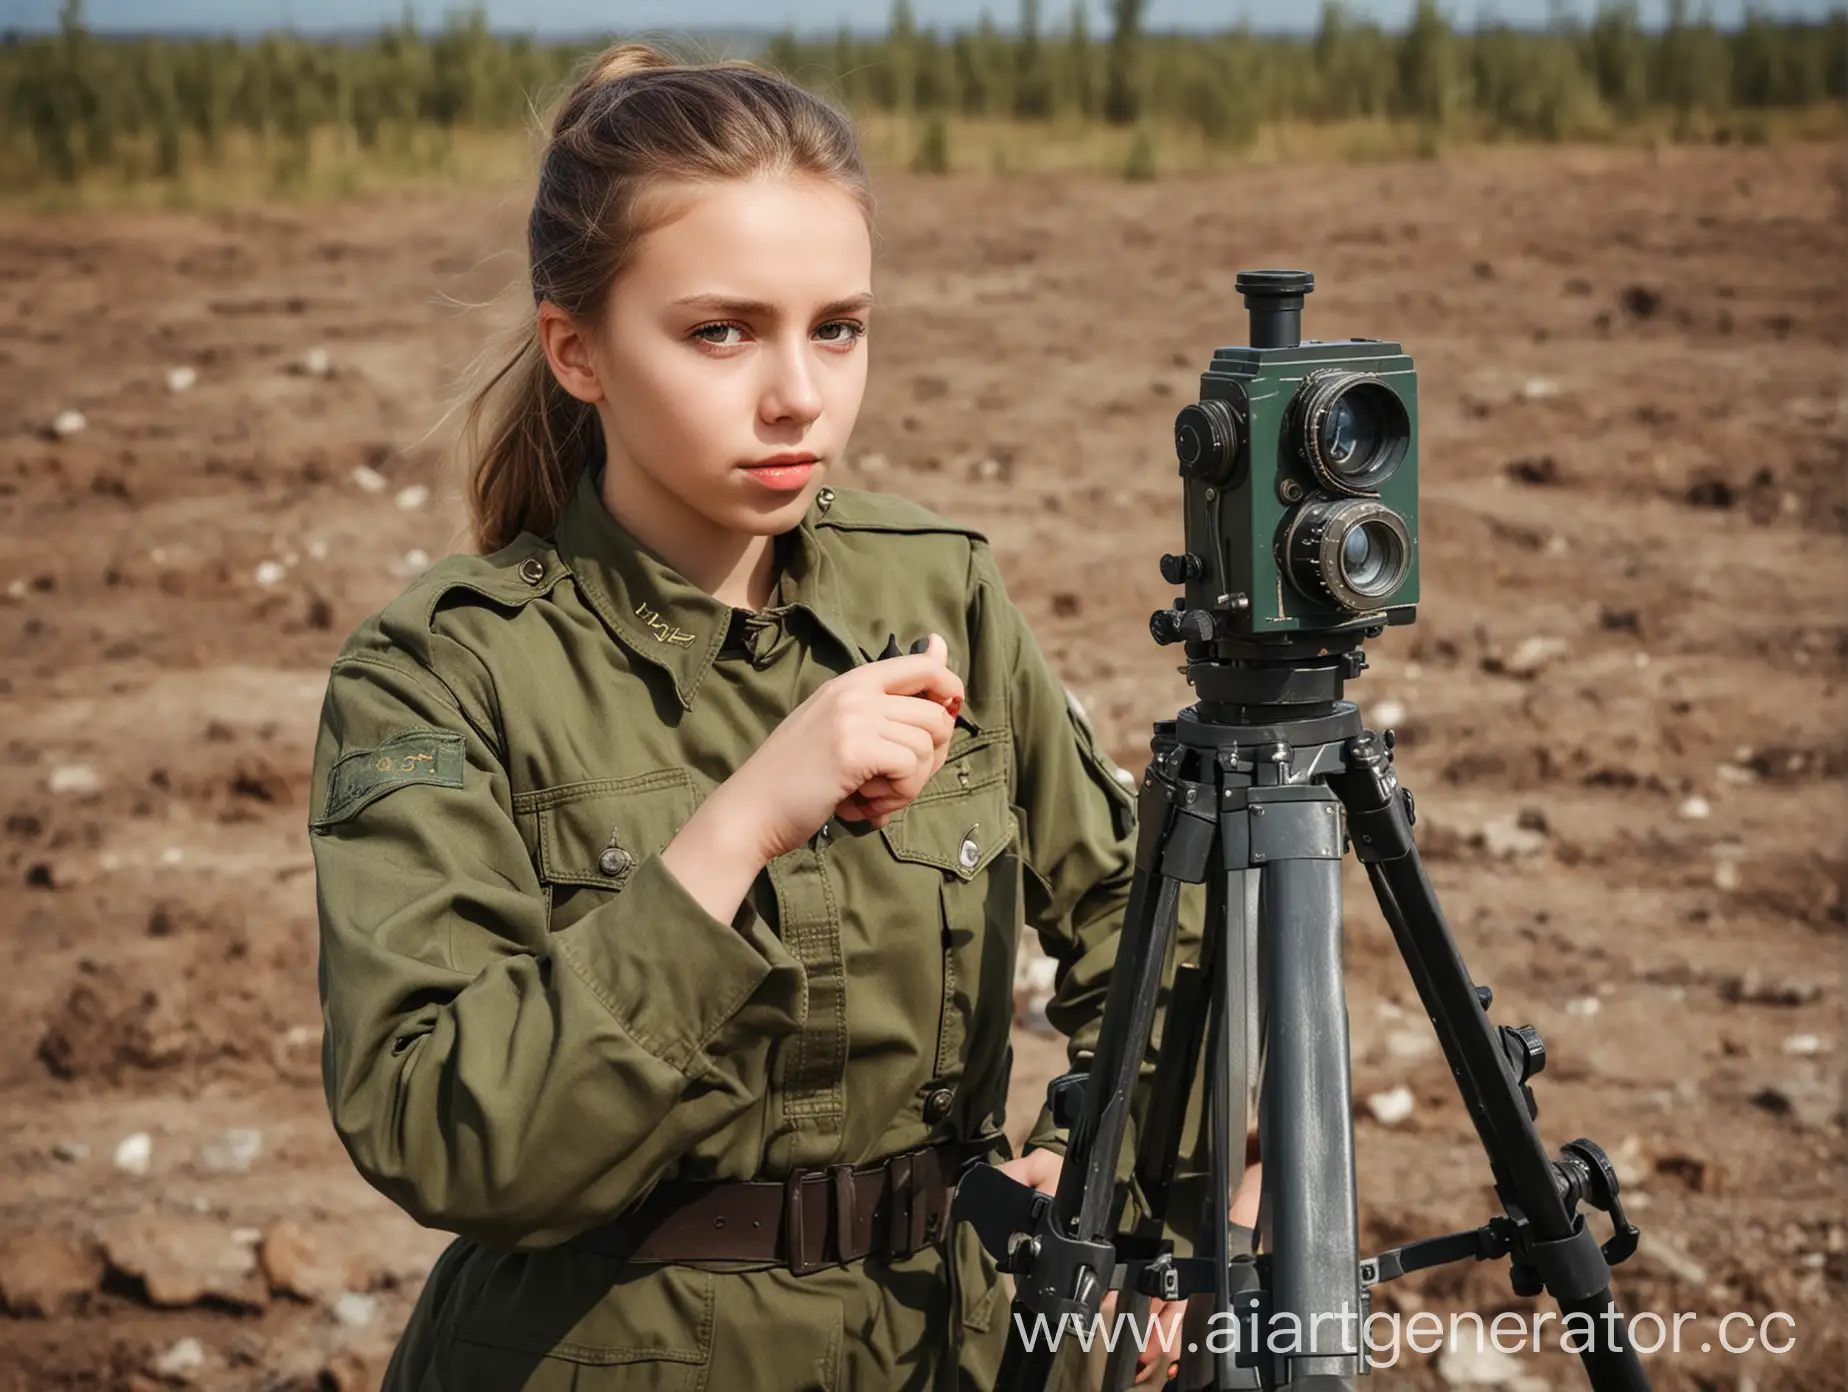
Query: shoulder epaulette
[
  {"x": 864, "y": 510},
  {"x": 521, "y": 571}
]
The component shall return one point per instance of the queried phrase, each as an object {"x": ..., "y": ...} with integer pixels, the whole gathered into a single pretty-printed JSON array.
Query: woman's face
[{"x": 734, "y": 336}]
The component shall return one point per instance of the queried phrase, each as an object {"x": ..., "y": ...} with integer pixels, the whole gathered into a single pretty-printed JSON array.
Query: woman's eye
[{"x": 836, "y": 332}]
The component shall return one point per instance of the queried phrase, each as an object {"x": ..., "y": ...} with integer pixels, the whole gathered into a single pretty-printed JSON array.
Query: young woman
[{"x": 668, "y": 918}]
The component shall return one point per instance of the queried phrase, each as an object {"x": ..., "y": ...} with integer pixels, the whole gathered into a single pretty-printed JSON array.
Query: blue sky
[{"x": 584, "y": 16}]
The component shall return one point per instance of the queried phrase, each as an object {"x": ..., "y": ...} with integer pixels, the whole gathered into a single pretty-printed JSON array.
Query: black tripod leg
[
  {"x": 1306, "y": 1116},
  {"x": 1553, "y": 1240},
  {"x": 1172, "y": 846}
]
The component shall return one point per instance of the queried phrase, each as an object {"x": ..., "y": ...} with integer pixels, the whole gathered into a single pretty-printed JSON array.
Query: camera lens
[
  {"x": 1353, "y": 429},
  {"x": 1349, "y": 552}
]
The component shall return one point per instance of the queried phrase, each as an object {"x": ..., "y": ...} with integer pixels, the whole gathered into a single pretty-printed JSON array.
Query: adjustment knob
[
  {"x": 1526, "y": 1050},
  {"x": 1206, "y": 441},
  {"x": 1197, "y": 626},
  {"x": 1165, "y": 626},
  {"x": 1178, "y": 570}
]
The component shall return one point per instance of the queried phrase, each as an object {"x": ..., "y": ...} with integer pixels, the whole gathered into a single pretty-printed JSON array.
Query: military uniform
[{"x": 530, "y": 1023}]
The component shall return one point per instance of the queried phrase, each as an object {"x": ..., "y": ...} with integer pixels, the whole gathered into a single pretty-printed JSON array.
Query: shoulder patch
[
  {"x": 362, "y": 776},
  {"x": 863, "y": 510}
]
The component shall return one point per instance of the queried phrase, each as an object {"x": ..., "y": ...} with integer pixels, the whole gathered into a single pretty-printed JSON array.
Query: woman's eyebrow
[{"x": 727, "y": 304}]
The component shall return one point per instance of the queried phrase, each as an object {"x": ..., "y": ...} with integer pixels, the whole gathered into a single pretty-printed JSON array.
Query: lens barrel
[
  {"x": 1352, "y": 430},
  {"x": 1353, "y": 553}
]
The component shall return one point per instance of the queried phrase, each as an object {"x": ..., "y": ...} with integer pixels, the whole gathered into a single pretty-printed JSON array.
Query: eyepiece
[
  {"x": 1353, "y": 553},
  {"x": 1274, "y": 300}
]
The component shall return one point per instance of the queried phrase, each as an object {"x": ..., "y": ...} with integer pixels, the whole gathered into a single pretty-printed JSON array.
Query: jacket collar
[{"x": 660, "y": 615}]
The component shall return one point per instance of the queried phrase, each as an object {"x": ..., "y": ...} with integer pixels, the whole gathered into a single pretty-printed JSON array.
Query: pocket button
[
  {"x": 971, "y": 852},
  {"x": 614, "y": 861}
]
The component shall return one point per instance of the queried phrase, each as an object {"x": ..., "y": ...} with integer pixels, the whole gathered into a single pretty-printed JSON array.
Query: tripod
[{"x": 1257, "y": 791}]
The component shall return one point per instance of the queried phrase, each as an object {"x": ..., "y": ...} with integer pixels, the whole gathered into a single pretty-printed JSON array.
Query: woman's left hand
[{"x": 1040, "y": 1169}]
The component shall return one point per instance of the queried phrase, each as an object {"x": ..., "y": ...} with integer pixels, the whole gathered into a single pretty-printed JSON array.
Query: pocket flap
[
  {"x": 962, "y": 820},
  {"x": 594, "y": 833}
]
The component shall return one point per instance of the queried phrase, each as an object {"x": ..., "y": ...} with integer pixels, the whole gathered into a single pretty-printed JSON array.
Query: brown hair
[{"x": 633, "y": 118}]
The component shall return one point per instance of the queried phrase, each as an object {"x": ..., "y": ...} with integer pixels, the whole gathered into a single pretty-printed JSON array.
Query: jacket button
[
  {"x": 532, "y": 570},
  {"x": 614, "y": 861},
  {"x": 937, "y": 1105},
  {"x": 971, "y": 851},
  {"x": 825, "y": 499}
]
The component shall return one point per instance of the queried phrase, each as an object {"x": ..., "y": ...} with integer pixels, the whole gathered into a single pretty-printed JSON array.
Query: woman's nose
[{"x": 791, "y": 393}]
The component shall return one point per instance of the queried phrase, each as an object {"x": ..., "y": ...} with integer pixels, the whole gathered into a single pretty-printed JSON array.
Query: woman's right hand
[{"x": 862, "y": 746}]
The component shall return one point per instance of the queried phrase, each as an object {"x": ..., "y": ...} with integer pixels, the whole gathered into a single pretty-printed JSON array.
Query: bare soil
[{"x": 1635, "y": 432}]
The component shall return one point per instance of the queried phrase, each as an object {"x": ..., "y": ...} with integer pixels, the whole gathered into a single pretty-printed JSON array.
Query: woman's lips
[{"x": 782, "y": 477}]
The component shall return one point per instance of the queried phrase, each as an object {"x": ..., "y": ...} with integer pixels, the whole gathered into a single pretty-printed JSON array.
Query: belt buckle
[{"x": 838, "y": 1180}]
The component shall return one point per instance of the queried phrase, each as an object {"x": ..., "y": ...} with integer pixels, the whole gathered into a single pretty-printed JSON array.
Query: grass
[{"x": 332, "y": 166}]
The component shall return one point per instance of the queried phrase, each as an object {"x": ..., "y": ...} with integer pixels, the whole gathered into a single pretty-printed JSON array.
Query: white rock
[
  {"x": 270, "y": 572},
  {"x": 68, "y": 423},
  {"x": 1409, "y": 1044},
  {"x": 1034, "y": 973},
  {"x": 1388, "y": 713},
  {"x": 354, "y": 1310},
  {"x": 413, "y": 497},
  {"x": 173, "y": 855},
  {"x": 1557, "y": 545},
  {"x": 1392, "y": 1107},
  {"x": 1412, "y": 671},
  {"x": 1538, "y": 388},
  {"x": 1732, "y": 773},
  {"x": 1505, "y": 837},
  {"x": 186, "y": 1357},
  {"x": 370, "y": 480},
  {"x": 317, "y": 550},
  {"x": 234, "y": 1152},
  {"x": 1696, "y": 808},
  {"x": 1641, "y": 660},
  {"x": 1584, "y": 1006},
  {"x": 181, "y": 379},
  {"x": 16, "y": 590},
  {"x": 1803, "y": 1045},
  {"x": 247, "y": 1237},
  {"x": 71, "y": 1151},
  {"x": 988, "y": 469},
  {"x": 133, "y": 1153},
  {"x": 301, "y": 1036},
  {"x": 413, "y": 562},
  {"x": 1726, "y": 875},
  {"x": 1533, "y": 654},
  {"x": 316, "y": 363},
  {"x": 73, "y": 778}
]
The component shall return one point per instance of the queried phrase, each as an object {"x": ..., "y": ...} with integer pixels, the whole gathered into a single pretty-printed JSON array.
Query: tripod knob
[
  {"x": 1178, "y": 570},
  {"x": 1165, "y": 626},
  {"x": 1525, "y": 1050}
]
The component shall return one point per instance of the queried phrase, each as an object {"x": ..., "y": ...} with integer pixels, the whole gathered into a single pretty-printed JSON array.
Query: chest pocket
[
  {"x": 591, "y": 835},
  {"x": 962, "y": 827}
]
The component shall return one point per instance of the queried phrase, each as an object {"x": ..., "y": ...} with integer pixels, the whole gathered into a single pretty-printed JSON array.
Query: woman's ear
[{"x": 567, "y": 349}]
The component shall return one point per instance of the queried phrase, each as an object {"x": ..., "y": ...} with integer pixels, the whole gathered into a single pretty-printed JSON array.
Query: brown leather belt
[{"x": 813, "y": 1219}]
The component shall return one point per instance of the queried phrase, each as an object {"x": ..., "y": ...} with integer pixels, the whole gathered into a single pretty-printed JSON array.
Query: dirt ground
[{"x": 1621, "y": 706}]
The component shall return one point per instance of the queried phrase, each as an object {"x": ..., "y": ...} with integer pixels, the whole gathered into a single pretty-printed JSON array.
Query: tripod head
[{"x": 1299, "y": 465}]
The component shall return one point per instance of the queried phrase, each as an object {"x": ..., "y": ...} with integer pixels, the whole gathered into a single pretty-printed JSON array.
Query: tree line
[{"x": 77, "y": 104}]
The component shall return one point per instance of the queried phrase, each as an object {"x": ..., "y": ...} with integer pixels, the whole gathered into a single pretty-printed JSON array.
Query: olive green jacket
[{"x": 530, "y": 1022}]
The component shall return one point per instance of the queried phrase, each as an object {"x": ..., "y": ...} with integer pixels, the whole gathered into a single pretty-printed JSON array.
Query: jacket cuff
[{"x": 672, "y": 974}]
